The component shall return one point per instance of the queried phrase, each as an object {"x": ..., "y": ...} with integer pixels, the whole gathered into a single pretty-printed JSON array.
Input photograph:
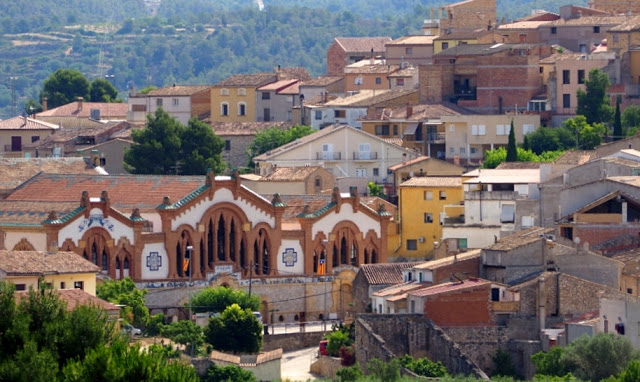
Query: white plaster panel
[
  {"x": 194, "y": 214},
  {"x": 290, "y": 258},
  {"x": 37, "y": 239},
  {"x": 155, "y": 219},
  {"x": 79, "y": 226},
  {"x": 364, "y": 222},
  {"x": 154, "y": 256}
]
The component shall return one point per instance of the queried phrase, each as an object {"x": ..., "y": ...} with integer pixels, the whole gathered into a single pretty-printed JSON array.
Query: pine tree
[{"x": 512, "y": 151}]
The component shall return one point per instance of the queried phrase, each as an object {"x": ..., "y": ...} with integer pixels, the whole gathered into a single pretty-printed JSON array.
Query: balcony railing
[
  {"x": 365, "y": 155},
  {"x": 328, "y": 155},
  {"x": 434, "y": 137}
]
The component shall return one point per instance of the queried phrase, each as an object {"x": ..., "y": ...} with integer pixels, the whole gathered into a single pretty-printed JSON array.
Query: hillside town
[{"x": 450, "y": 259}]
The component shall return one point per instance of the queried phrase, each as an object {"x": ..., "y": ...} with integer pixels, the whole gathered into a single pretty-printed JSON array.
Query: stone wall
[
  {"x": 326, "y": 367},
  {"x": 388, "y": 336},
  {"x": 291, "y": 341},
  {"x": 480, "y": 343}
]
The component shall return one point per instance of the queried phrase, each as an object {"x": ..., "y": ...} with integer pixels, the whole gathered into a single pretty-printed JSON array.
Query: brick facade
[
  {"x": 468, "y": 16},
  {"x": 468, "y": 307}
]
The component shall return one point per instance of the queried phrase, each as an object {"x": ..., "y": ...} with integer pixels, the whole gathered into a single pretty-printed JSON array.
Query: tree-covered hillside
[{"x": 191, "y": 41}]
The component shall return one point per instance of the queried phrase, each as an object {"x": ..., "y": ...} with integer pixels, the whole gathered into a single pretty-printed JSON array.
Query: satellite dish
[{"x": 576, "y": 240}]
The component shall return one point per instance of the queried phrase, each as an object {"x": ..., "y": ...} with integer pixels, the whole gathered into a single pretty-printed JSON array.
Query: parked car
[{"x": 130, "y": 330}]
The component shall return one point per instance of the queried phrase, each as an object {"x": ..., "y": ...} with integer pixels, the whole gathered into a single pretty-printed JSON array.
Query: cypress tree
[
  {"x": 512, "y": 152},
  {"x": 617, "y": 122}
]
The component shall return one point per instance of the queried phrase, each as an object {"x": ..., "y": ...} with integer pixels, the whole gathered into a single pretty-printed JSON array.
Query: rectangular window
[
  {"x": 395, "y": 130},
  {"x": 408, "y": 50},
  {"x": 462, "y": 243},
  {"x": 443, "y": 195},
  {"x": 452, "y": 150},
  {"x": 224, "y": 92},
  {"x": 499, "y": 129},
  {"x": 21, "y": 287},
  {"x": 399, "y": 81},
  {"x": 527, "y": 128},
  {"x": 482, "y": 130},
  {"x": 463, "y": 150},
  {"x": 339, "y": 113},
  {"x": 629, "y": 291},
  {"x": 428, "y": 195},
  {"x": 445, "y": 45},
  {"x": 266, "y": 95},
  {"x": 474, "y": 129},
  {"x": 34, "y": 138},
  {"x": 63, "y": 285},
  {"x": 376, "y": 172},
  {"x": 554, "y": 30},
  {"x": 428, "y": 217},
  {"x": 508, "y": 213},
  {"x": 581, "y": 76},
  {"x": 176, "y": 101},
  {"x": 225, "y": 109},
  {"x": 566, "y": 77},
  {"x": 159, "y": 102},
  {"x": 474, "y": 150},
  {"x": 361, "y": 173},
  {"x": 318, "y": 115},
  {"x": 382, "y": 129},
  {"x": 452, "y": 128},
  {"x": 412, "y": 244},
  {"x": 378, "y": 80},
  {"x": 596, "y": 29},
  {"x": 242, "y": 109},
  {"x": 78, "y": 285},
  {"x": 583, "y": 48},
  {"x": 227, "y": 145},
  {"x": 566, "y": 101}
]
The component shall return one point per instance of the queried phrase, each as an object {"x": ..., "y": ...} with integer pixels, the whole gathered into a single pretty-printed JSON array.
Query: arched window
[
  {"x": 242, "y": 108},
  {"x": 366, "y": 256},
  {"x": 334, "y": 261},
  {"x": 232, "y": 241},
  {"x": 344, "y": 251},
  {"x": 105, "y": 262},
  {"x": 315, "y": 262},
  {"x": 354, "y": 255},
  {"x": 94, "y": 254},
  {"x": 126, "y": 263},
  {"x": 203, "y": 263},
  {"x": 221, "y": 239},
  {"x": 374, "y": 257},
  {"x": 179, "y": 260}
]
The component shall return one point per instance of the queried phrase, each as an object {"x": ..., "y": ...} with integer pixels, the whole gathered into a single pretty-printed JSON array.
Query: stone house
[
  {"x": 468, "y": 15},
  {"x": 182, "y": 102},
  {"x": 615, "y": 6},
  {"x": 235, "y": 99},
  {"x": 369, "y": 74},
  {"x": 487, "y": 78},
  {"x": 265, "y": 365},
  {"x": 109, "y": 155},
  {"x": 238, "y": 136},
  {"x": 393, "y": 299},
  {"x": 462, "y": 265},
  {"x": 579, "y": 34},
  {"x": 82, "y": 114},
  {"x": 410, "y": 51},
  {"x": 421, "y": 166},
  {"x": 28, "y": 269},
  {"x": 16, "y": 131},
  {"x": 347, "y": 50},
  {"x": 522, "y": 31},
  {"x": 342, "y": 150},
  {"x": 479, "y": 36},
  {"x": 406, "y": 78},
  {"x": 292, "y": 181},
  {"x": 467, "y": 137},
  {"x": 630, "y": 280},
  {"x": 275, "y": 100},
  {"x": 374, "y": 277}
]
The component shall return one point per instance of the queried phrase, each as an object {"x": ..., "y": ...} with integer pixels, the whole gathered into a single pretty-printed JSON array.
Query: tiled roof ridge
[{"x": 185, "y": 200}]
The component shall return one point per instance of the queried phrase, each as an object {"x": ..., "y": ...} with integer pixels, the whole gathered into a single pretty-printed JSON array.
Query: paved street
[{"x": 295, "y": 365}]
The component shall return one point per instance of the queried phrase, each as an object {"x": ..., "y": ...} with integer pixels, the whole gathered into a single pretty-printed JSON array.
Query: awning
[{"x": 411, "y": 129}]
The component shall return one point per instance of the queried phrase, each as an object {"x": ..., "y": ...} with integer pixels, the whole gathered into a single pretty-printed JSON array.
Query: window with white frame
[
  {"x": 176, "y": 102},
  {"x": 500, "y": 129},
  {"x": 527, "y": 128},
  {"x": 318, "y": 115},
  {"x": 463, "y": 150},
  {"x": 443, "y": 195},
  {"x": 242, "y": 108},
  {"x": 361, "y": 173},
  {"x": 242, "y": 92},
  {"x": 428, "y": 195},
  {"x": 428, "y": 217},
  {"x": 224, "y": 108},
  {"x": 224, "y": 91},
  {"x": 452, "y": 128},
  {"x": 474, "y": 129},
  {"x": 508, "y": 213},
  {"x": 474, "y": 150},
  {"x": 452, "y": 150},
  {"x": 364, "y": 151},
  {"x": 482, "y": 130}
]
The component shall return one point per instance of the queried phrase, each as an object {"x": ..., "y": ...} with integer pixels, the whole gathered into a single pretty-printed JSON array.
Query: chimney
[
  {"x": 404, "y": 158},
  {"x": 25, "y": 120},
  {"x": 372, "y": 58},
  {"x": 44, "y": 103},
  {"x": 95, "y": 158},
  {"x": 79, "y": 103}
]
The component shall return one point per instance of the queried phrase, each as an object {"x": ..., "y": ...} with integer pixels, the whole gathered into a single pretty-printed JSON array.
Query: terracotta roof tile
[
  {"x": 179, "y": 90},
  {"x": 250, "y": 80},
  {"x": 244, "y": 128},
  {"x": 112, "y": 110},
  {"x": 519, "y": 165},
  {"x": 39, "y": 263},
  {"x": 24, "y": 123},
  {"x": 15, "y": 171},
  {"x": 435, "y": 264},
  {"x": 368, "y": 98},
  {"x": 433, "y": 181},
  {"x": 590, "y": 20},
  {"x": 420, "y": 112},
  {"x": 277, "y": 86},
  {"x": 450, "y": 287},
  {"x": 377, "y": 68},
  {"x": 519, "y": 239},
  {"x": 387, "y": 273},
  {"x": 413, "y": 40},
  {"x": 363, "y": 44},
  {"x": 149, "y": 189},
  {"x": 31, "y": 214},
  {"x": 289, "y": 174},
  {"x": 576, "y": 157},
  {"x": 76, "y": 297},
  {"x": 293, "y": 73},
  {"x": 321, "y": 81}
]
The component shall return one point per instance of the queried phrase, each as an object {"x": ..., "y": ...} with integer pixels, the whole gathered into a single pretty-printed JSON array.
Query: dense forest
[{"x": 139, "y": 43}]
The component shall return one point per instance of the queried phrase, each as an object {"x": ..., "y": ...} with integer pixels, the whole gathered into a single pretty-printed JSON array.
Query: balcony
[
  {"x": 436, "y": 137},
  {"x": 365, "y": 155},
  {"x": 328, "y": 155},
  {"x": 494, "y": 195}
]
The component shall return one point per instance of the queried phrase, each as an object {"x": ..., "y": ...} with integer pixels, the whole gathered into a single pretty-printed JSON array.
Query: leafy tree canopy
[
  {"x": 219, "y": 298},
  {"x": 593, "y": 103},
  {"x": 124, "y": 292},
  {"x": 235, "y": 330},
  {"x": 229, "y": 373},
  {"x": 274, "y": 137},
  {"x": 165, "y": 147},
  {"x": 102, "y": 90},
  {"x": 494, "y": 157},
  {"x": 64, "y": 86},
  {"x": 587, "y": 136},
  {"x": 185, "y": 332}
]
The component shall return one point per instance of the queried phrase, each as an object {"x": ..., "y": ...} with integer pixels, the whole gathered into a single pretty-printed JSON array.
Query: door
[
  {"x": 267, "y": 114},
  {"x": 327, "y": 151},
  {"x": 365, "y": 151},
  {"x": 16, "y": 143}
]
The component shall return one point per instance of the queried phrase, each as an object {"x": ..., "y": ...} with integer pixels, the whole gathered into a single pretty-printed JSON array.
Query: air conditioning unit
[
  {"x": 421, "y": 239},
  {"x": 550, "y": 237}
]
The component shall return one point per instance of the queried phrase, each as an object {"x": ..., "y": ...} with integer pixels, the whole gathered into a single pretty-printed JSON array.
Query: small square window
[
  {"x": 554, "y": 30},
  {"x": 318, "y": 115},
  {"x": 159, "y": 102},
  {"x": 399, "y": 81},
  {"x": 34, "y": 138},
  {"x": 376, "y": 172},
  {"x": 176, "y": 101},
  {"x": 378, "y": 80},
  {"x": 78, "y": 285},
  {"x": 266, "y": 95},
  {"x": 629, "y": 291},
  {"x": 428, "y": 195},
  {"x": 63, "y": 285},
  {"x": 428, "y": 217},
  {"x": 408, "y": 50},
  {"x": 596, "y": 29},
  {"x": 412, "y": 245},
  {"x": 463, "y": 150},
  {"x": 443, "y": 195},
  {"x": 445, "y": 45}
]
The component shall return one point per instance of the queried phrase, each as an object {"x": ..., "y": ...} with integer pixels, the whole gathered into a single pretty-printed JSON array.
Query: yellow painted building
[
  {"x": 62, "y": 270},
  {"x": 422, "y": 200},
  {"x": 234, "y": 99},
  {"x": 446, "y": 41}
]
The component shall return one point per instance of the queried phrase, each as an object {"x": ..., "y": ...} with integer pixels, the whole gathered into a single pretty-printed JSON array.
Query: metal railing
[
  {"x": 365, "y": 155},
  {"x": 328, "y": 155}
]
